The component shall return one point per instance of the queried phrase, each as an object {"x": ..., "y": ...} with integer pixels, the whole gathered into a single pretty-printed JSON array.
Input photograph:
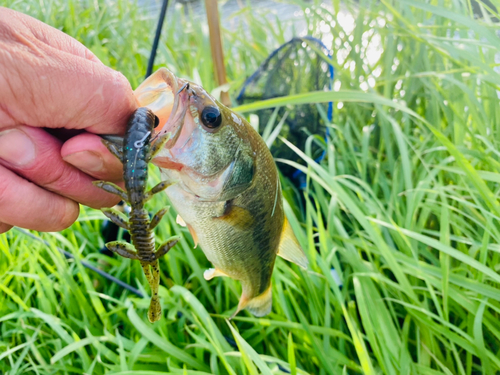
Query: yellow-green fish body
[{"x": 227, "y": 189}]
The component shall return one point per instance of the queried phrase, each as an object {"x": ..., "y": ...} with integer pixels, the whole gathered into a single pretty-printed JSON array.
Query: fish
[{"x": 224, "y": 185}]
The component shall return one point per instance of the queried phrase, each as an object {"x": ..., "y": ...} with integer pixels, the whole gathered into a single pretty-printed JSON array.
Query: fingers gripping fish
[
  {"x": 227, "y": 189},
  {"x": 135, "y": 156}
]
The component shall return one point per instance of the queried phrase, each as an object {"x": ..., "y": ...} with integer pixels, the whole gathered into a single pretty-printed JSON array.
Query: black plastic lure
[{"x": 135, "y": 155}]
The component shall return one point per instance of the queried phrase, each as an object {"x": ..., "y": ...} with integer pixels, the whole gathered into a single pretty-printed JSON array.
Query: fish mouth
[{"x": 161, "y": 94}]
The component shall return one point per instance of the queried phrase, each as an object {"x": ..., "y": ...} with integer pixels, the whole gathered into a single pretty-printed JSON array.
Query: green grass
[{"x": 405, "y": 207}]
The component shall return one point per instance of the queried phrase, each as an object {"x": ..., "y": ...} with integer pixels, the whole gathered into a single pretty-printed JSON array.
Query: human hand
[{"x": 52, "y": 88}]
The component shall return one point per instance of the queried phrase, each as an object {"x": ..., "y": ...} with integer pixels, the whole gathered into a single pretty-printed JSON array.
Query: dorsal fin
[{"x": 290, "y": 249}]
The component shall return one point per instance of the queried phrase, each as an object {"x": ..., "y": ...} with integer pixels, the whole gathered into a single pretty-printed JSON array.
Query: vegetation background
[{"x": 404, "y": 207}]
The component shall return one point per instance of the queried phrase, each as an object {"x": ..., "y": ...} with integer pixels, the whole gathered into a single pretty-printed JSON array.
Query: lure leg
[
  {"x": 165, "y": 247},
  {"x": 147, "y": 273},
  {"x": 156, "y": 219},
  {"x": 156, "y": 189},
  {"x": 153, "y": 276},
  {"x": 154, "y": 312},
  {"x": 111, "y": 188},
  {"x": 114, "y": 149},
  {"x": 116, "y": 218},
  {"x": 122, "y": 248},
  {"x": 158, "y": 145}
]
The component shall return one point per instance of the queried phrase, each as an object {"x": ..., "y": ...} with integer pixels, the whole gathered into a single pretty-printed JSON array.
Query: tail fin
[{"x": 258, "y": 306}]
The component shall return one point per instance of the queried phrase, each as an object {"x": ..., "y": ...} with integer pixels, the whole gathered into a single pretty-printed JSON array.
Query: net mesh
[{"x": 296, "y": 67}]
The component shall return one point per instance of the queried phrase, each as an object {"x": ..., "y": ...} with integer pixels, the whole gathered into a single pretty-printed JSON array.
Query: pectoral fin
[
  {"x": 237, "y": 217},
  {"x": 213, "y": 272},
  {"x": 290, "y": 249},
  {"x": 179, "y": 220}
]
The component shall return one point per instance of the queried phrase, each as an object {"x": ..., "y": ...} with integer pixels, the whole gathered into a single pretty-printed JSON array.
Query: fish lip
[
  {"x": 167, "y": 96},
  {"x": 174, "y": 126},
  {"x": 158, "y": 93},
  {"x": 175, "y": 121}
]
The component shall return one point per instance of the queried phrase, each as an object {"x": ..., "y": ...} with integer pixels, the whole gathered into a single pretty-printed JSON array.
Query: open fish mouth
[{"x": 165, "y": 95}]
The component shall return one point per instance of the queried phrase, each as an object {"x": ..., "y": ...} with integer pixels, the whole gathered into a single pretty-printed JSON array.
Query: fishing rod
[{"x": 156, "y": 40}]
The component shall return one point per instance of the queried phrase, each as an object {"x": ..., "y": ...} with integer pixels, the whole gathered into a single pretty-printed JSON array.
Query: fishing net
[{"x": 296, "y": 67}]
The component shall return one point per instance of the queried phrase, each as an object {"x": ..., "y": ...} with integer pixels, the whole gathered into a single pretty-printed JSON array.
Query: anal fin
[{"x": 289, "y": 247}]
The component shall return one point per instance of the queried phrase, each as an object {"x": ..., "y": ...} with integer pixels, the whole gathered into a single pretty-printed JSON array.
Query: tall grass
[{"x": 404, "y": 208}]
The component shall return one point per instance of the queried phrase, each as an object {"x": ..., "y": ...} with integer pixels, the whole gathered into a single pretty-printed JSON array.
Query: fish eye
[
  {"x": 157, "y": 121},
  {"x": 211, "y": 117}
]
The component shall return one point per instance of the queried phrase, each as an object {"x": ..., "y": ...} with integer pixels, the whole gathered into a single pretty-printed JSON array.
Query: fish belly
[{"x": 244, "y": 254}]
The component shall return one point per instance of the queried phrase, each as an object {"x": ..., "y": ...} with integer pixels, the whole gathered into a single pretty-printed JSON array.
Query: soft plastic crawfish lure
[{"x": 135, "y": 156}]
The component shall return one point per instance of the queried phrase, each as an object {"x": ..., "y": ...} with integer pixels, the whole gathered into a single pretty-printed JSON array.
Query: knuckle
[
  {"x": 64, "y": 215},
  {"x": 56, "y": 178}
]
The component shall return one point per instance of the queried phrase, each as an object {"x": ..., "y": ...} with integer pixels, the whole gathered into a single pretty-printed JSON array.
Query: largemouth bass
[{"x": 225, "y": 186}]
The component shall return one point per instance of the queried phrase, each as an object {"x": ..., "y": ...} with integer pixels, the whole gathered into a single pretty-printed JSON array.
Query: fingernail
[
  {"x": 16, "y": 147},
  {"x": 87, "y": 161}
]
